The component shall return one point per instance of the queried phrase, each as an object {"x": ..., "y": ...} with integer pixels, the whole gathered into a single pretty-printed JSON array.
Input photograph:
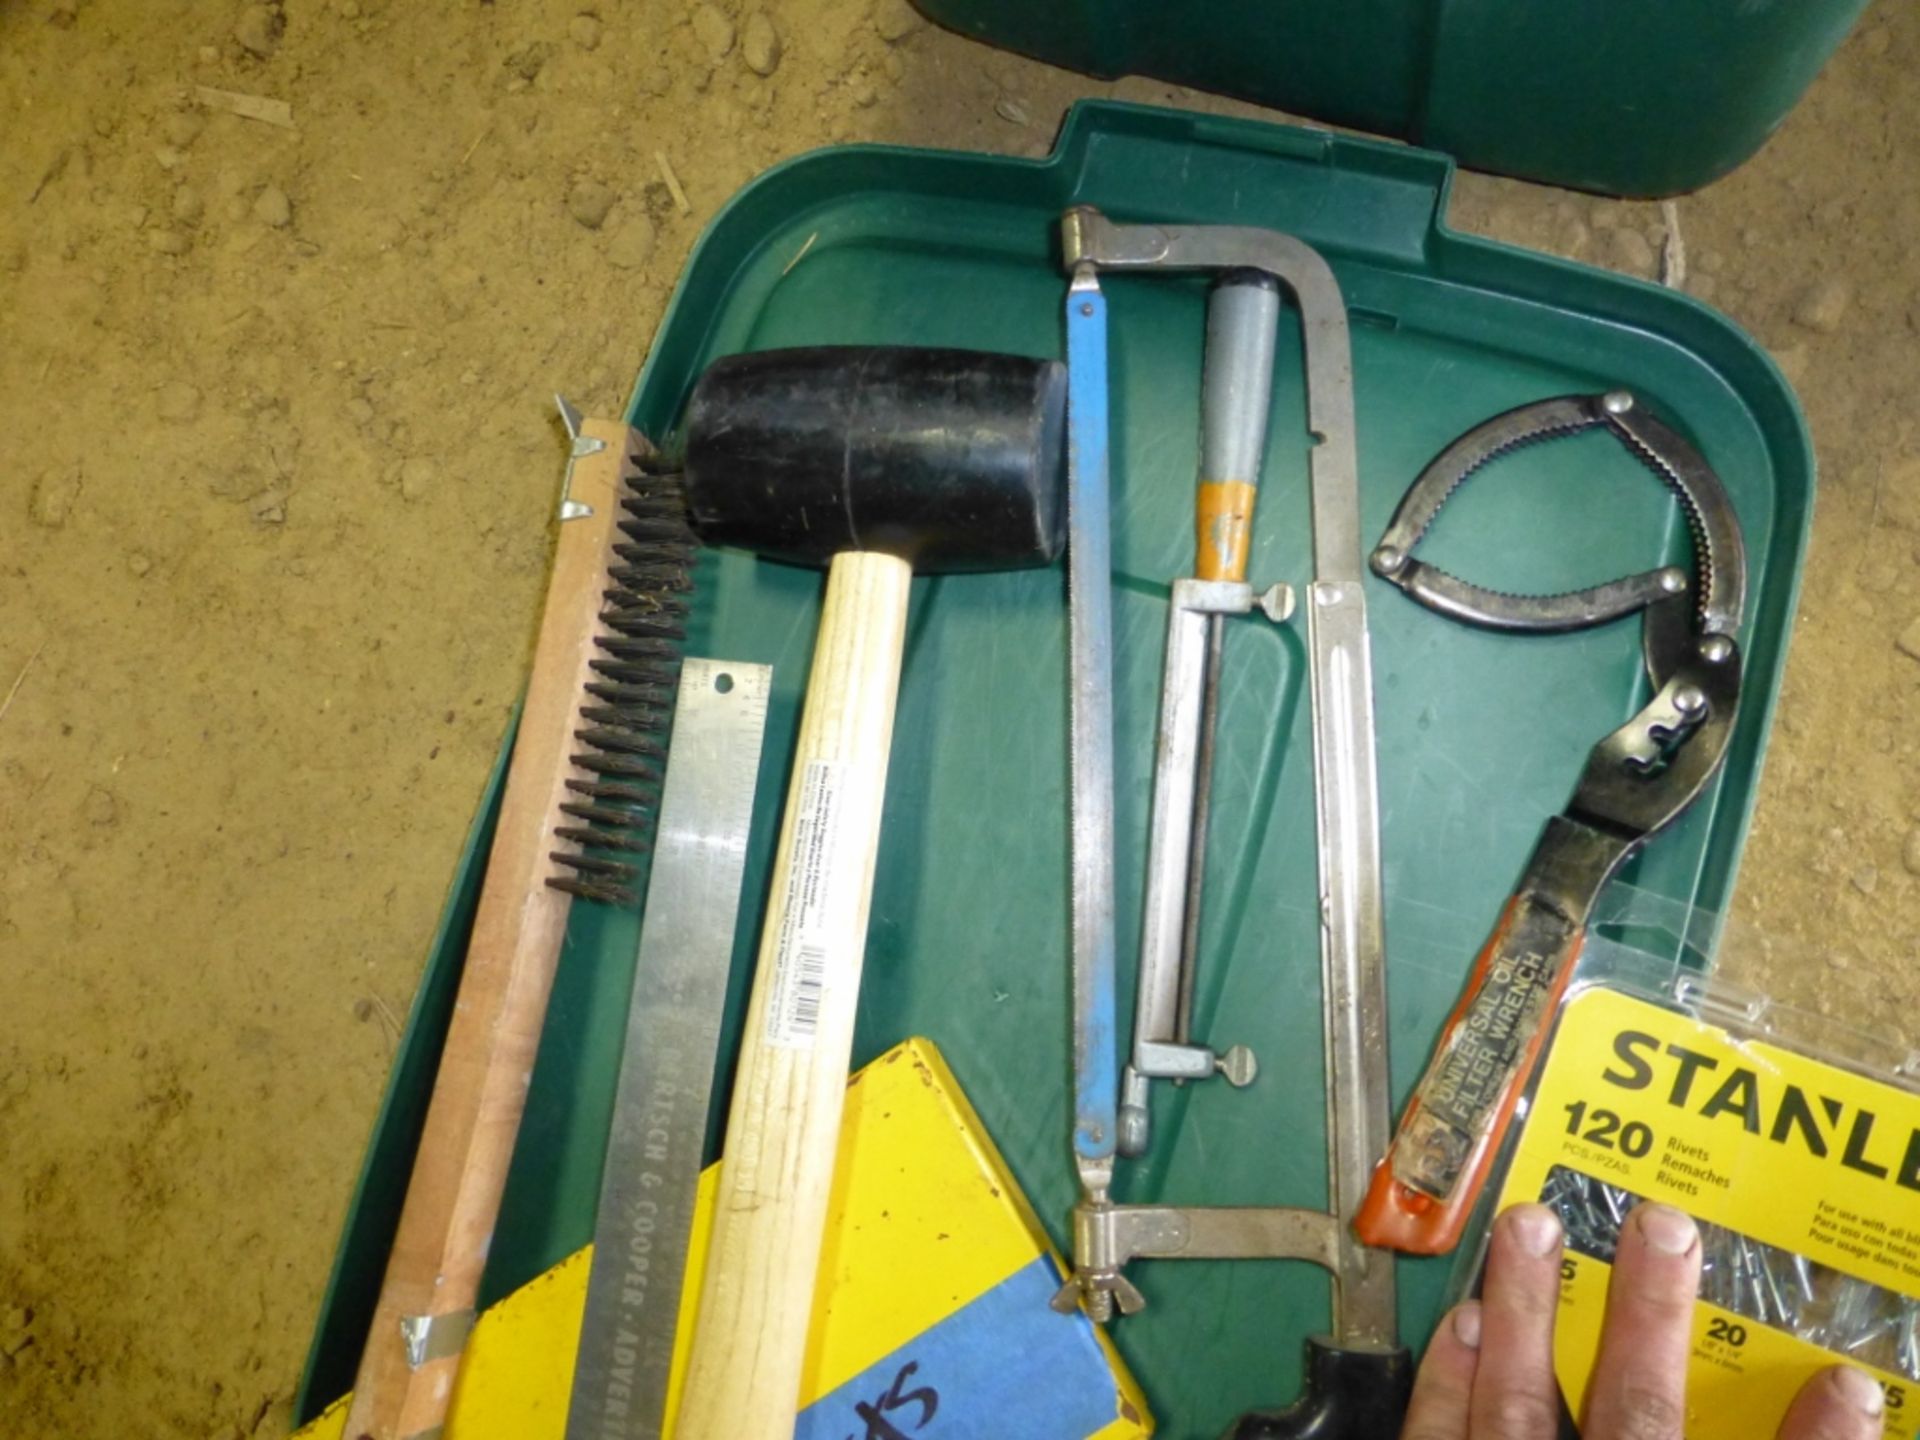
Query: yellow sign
[
  {"x": 1783, "y": 1151},
  {"x": 933, "y": 1292}
]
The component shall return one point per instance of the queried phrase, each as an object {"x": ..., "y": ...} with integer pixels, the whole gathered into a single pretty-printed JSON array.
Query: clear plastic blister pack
[
  {"x": 1792, "y": 1139},
  {"x": 1852, "y": 1318}
]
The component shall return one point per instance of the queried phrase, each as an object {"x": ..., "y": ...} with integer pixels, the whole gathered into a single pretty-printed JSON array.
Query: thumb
[{"x": 1840, "y": 1403}]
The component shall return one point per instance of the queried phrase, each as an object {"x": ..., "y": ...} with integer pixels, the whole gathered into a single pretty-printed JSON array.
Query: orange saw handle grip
[
  {"x": 1223, "y": 529},
  {"x": 1426, "y": 1187}
]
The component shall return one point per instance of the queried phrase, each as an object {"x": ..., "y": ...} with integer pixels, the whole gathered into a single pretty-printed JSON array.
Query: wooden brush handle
[
  {"x": 743, "y": 1378},
  {"x": 453, "y": 1198}
]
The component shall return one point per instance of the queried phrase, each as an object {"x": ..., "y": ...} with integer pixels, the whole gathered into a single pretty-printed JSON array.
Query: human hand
[{"x": 1488, "y": 1374}]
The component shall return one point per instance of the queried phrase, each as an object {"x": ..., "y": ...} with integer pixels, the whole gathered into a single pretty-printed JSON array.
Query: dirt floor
[{"x": 274, "y": 487}]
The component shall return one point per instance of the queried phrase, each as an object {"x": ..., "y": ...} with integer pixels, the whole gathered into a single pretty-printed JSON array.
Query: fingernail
[
  {"x": 1536, "y": 1228},
  {"x": 1670, "y": 1231},
  {"x": 1466, "y": 1324},
  {"x": 1856, "y": 1387}
]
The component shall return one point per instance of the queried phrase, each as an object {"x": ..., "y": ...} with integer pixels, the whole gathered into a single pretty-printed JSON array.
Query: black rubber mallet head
[
  {"x": 876, "y": 463},
  {"x": 951, "y": 460}
]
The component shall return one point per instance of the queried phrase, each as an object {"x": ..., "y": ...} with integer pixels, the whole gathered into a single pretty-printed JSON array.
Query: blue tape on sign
[{"x": 1005, "y": 1364}]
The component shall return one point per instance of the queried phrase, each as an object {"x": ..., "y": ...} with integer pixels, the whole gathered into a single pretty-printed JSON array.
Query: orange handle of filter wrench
[{"x": 1398, "y": 1216}]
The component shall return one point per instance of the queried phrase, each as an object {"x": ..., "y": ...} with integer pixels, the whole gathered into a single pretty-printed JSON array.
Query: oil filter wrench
[{"x": 1637, "y": 781}]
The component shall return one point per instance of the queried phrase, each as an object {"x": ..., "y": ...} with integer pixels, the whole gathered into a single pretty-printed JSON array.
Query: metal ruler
[{"x": 666, "y": 1079}]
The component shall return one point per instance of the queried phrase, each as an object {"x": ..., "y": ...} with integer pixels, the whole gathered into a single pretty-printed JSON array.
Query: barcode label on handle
[
  {"x": 807, "y": 930},
  {"x": 803, "y": 1010}
]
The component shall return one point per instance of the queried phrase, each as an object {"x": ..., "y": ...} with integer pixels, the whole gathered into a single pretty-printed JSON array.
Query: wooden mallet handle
[
  {"x": 743, "y": 1380},
  {"x": 878, "y": 462}
]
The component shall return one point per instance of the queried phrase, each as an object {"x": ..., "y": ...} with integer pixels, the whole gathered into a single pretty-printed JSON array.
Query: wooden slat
[{"x": 480, "y": 1092}]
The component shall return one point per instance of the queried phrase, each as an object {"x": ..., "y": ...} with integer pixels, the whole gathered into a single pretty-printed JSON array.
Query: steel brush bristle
[{"x": 629, "y": 709}]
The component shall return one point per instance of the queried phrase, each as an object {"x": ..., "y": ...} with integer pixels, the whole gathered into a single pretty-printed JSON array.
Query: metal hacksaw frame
[{"x": 1108, "y": 1235}]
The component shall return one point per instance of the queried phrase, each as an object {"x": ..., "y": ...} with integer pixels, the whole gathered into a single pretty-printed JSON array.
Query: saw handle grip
[
  {"x": 1459, "y": 1113},
  {"x": 1344, "y": 1395},
  {"x": 1243, "y": 325},
  {"x": 756, "y": 1303}
]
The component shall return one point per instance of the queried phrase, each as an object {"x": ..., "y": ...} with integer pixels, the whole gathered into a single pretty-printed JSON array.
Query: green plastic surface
[
  {"x": 1629, "y": 97},
  {"x": 1481, "y": 736}
]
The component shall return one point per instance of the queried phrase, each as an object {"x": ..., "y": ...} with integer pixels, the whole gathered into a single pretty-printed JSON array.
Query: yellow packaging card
[
  {"x": 1786, "y": 1151},
  {"x": 931, "y": 1309}
]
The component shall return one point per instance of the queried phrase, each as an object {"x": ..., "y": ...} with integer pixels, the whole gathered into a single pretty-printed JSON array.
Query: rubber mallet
[{"x": 878, "y": 463}]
